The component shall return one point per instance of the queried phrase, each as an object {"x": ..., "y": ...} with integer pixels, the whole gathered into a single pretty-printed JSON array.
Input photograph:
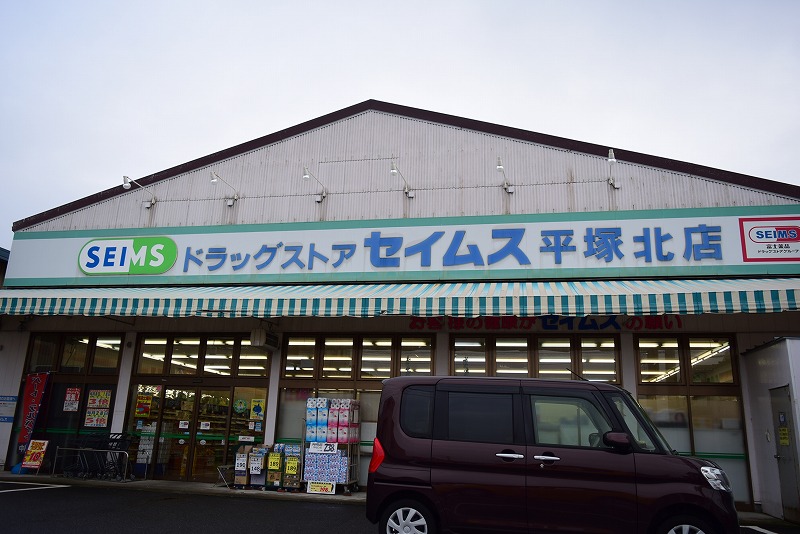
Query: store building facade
[{"x": 198, "y": 308}]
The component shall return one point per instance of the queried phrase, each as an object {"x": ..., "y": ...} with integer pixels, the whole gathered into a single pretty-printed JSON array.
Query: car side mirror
[{"x": 617, "y": 440}]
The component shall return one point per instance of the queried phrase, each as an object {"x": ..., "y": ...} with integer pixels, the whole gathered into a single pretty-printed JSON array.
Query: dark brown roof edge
[{"x": 788, "y": 190}]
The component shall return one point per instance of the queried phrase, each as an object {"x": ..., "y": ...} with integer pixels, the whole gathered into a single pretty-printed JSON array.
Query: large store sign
[{"x": 623, "y": 244}]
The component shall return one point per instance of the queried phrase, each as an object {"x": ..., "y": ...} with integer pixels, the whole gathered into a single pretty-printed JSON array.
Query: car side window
[
  {"x": 480, "y": 417},
  {"x": 635, "y": 426},
  {"x": 416, "y": 411},
  {"x": 568, "y": 421}
]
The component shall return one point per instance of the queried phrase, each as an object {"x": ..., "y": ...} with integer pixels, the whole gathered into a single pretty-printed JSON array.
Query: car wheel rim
[
  {"x": 685, "y": 529},
  {"x": 406, "y": 521}
]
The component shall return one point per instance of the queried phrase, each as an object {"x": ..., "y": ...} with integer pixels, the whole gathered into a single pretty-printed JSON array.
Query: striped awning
[{"x": 461, "y": 299}]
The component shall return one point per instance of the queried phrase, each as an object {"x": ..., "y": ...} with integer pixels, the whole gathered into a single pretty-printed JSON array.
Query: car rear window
[{"x": 416, "y": 411}]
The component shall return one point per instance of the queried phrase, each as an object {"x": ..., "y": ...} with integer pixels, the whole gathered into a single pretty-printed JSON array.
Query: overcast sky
[{"x": 94, "y": 90}]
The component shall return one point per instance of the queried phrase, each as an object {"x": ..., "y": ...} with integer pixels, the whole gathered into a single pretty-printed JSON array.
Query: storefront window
[
  {"x": 184, "y": 356},
  {"x": 248, "y": 416},
  {"x": 218, "y": 360},
  {"x": 152, "y": 356},
  {"x": 106, "y": 355},
  {"x": 337, "y": 358},
  {"x": 511, "y": 357},
  {"x": 659, "y": 361},
  {"x": 469, "y": 357},
  {"x": 253, "y": 361},
  {"x": 599, "y": 359},
  {"x": 376, "y": 357},
  {"x": 711, "y": 361},
  {"x": 300, "y": 358},
  {"x": 415, "y": 356},
  {"x": 670, "y": 413},
  {"x": 719, "y": 436},
  {"x": 44, "y": 351},
  {"x": 292, "y": 414},
  {"x": 145, "y": 408},
  {"x": 555, "y": 358},
  {"x": 73, "y": 358}
]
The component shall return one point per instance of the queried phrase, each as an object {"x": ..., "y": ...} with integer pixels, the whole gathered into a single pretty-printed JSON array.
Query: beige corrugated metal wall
[{"x": 452, "y": 172}]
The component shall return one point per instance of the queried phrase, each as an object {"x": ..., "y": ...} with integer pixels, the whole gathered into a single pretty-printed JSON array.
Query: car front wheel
[
  {"x": 407, "y": 517},
  {"x": 685, "y": 525}
]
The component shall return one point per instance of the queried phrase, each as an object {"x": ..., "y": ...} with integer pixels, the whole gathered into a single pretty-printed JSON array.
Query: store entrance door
[
  {"x": 785, "y": 443},
  {"x": 192, "y": 437}
]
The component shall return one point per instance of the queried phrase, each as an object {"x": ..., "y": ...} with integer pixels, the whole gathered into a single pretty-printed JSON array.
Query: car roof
[{"x": 495, "y": 380}]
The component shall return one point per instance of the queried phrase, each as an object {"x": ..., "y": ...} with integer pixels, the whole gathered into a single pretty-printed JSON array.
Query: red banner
[{"x": 31, "y": 401}]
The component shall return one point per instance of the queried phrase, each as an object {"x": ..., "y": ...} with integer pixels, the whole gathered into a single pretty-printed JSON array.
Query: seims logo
[
  {"x": 138, "y": 255},
  {"x": 775, "y": 234}
]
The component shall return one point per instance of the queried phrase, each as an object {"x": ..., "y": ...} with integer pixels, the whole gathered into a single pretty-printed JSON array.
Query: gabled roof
[{"x": 733, "y": 178}]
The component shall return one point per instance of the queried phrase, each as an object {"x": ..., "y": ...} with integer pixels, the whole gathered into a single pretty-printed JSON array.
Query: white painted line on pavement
[
  {"x": 759, "y": 529},
  {"x": 37, "y": 484}
]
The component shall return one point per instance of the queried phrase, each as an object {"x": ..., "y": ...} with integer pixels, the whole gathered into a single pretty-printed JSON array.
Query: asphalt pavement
[{"x": 751, "y": 522}]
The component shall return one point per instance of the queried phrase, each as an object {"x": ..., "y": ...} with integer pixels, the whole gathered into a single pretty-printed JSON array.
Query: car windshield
[{"x": 639, "y": 425}]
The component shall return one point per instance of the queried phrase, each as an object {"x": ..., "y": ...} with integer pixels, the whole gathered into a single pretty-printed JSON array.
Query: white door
[{"x": 785, "y": 447}]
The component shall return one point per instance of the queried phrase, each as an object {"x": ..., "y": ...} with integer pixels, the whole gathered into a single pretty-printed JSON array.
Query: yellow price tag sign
[
  {"x": 292, "y": 464},
  {"x": 274, "y": 461}
]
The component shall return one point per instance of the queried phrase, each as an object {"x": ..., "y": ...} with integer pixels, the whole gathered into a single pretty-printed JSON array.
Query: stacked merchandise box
[
  {"x": 258, "y": 474},
  {"x": 291, "y": 467},
  {"x": 275, "y": 467},
  {"x": 241, "y": 475},
  {"x": 344, "y": 417},
  {"x": 326, "y": 467}
]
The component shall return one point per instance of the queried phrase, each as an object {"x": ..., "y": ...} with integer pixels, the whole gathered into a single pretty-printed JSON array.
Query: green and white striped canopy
[{"x": 460, "y": 299}]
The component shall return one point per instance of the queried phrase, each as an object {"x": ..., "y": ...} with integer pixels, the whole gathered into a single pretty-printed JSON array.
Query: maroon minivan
[{"x": 492, "y": 455}]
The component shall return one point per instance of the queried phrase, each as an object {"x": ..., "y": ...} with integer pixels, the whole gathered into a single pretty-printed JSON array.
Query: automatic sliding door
[{"x": 210, "y": 438}]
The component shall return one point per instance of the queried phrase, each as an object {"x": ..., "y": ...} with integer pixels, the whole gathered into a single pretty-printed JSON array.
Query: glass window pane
[
  {"x": 292, "y": 414},
  {"x": 145, "y": 408},
  {"x": 415, "y": 356},
  {"x": 73, "y": 359},
  {"x": 659, "y": 361},
  {"x": 43, "y": 353},
  {"x": 151, "y": 359},
  {"x": 300, "y": 358},
  {"x": 481, "y": 417},
  {"x": 106, "y": 355},
  {"x": 631, "y": 416},
  {"x": 337, "y": 358},
  {"x": 376, "y": 357},
  {"x": 469, "y": 356},
  {"x": 568, "y": 421},
  {"x": 555, "y": 358},
  {"x": 210, "y": 439},
  {"x": 711, "y": 361},
  {"x": 253, "y": 361},
  {"x": 219, "y": 357},
  {"x": 416, "y": 411},
  {"x": 184, "y": 356},
  {"x": 598, "y": 359},
  {"x": 370, "y": 402},
  {"x": 511, "y": 357},
  {"x": 249, "y": 406},
  {"x": 719, "y": 435},
  {"x": 669, "y": 414}
]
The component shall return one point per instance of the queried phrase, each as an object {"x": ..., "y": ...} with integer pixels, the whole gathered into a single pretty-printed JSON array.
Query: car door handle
[
  {"x": 547, "y": 458},
  {"x": 510, "y": 455}
]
